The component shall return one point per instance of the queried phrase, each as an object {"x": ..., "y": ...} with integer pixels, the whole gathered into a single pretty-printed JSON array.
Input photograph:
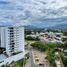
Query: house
[{"x": 52, "y": 37}]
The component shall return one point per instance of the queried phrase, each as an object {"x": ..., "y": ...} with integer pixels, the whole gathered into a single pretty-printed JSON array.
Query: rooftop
[{"x": 2, "y": 57}]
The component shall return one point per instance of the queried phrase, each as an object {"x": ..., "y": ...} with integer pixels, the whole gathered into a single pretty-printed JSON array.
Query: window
[{"x": 10, "y": 28}]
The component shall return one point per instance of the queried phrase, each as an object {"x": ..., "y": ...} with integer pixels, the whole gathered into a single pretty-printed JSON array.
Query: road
[{"x": 30, "y": 62}]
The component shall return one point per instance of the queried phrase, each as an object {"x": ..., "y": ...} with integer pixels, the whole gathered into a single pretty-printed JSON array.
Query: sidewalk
[{"x": 28, "y": 63}]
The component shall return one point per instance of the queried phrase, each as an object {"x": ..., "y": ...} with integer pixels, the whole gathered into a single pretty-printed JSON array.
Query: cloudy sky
[{"x": 33, "y": 12}]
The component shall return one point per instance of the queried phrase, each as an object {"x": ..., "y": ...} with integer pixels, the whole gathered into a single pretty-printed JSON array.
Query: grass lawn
[
  {"x": 20, "y": 63},
  {"x": 31, "y": 41}
]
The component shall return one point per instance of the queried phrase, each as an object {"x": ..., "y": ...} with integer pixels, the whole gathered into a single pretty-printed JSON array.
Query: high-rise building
[{"x": 12, "y": 39}]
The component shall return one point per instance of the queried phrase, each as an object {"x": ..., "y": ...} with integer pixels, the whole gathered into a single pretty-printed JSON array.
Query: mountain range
[{"x": 60, "y": 26}]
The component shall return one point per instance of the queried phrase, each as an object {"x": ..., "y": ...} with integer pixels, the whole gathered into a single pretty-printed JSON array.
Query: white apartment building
[
  {"x": 11, "y": 44},
  {"x": 12, "y": 39}
]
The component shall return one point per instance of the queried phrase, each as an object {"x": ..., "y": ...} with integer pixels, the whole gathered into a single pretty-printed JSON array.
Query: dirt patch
[{"x": 38, "y": 57}]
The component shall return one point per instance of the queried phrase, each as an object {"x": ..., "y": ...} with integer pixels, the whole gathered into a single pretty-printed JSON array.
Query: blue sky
[{"x": 33, "y": 12}]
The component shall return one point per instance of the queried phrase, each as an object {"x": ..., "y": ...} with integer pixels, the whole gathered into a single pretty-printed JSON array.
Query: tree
[
  {"x": 65, "y": 44},
  {"x": 30, "y": 38},
  {"x": 51, "y": 57},
  {"x": 27, "y": 32},
  {"x": 39, "y": 45},
  {"x": 64, "y": 60},
  {"x": 65, "y": 33}
]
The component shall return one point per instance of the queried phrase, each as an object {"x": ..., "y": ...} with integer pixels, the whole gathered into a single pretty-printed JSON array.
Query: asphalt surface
[{"x": 30, "y": 62}]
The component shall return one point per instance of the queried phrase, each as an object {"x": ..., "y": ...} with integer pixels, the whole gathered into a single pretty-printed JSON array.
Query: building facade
[{"x": 12, "y": 39}]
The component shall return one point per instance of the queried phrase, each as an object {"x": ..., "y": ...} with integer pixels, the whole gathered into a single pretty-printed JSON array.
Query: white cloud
[{"x": 27, "y": 11}]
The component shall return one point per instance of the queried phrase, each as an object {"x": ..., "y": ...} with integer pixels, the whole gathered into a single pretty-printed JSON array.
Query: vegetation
[
  {"x": 65, "y": 33},
  {"x": 52, "y": 30},
  {"x": 20, "y": 63},
  {"x": 64, "y": 60},
  {"x": 39, "y": 45},
  {"x": 32, "y": 38},
  {"x": 27, "y": 32},
  {"x": 45, "y": 46},
  {"x": 49, "y": 48},
  {"x": 53, "y": 45},
  {"x": 65, "y": 44},
  {"x": 51, "y": 57},
  {"x": 64, "y": 39},
  {"x": 64, "y": 54},
  {"x": 5, "y": 66}
]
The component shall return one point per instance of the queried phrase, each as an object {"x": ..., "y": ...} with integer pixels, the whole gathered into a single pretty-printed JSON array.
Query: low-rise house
[
  {"x": 32, "y": 35},
  {"x": 51, "y": 37}
]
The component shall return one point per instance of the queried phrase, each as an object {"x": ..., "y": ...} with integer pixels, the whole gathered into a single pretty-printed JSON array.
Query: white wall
[
  {"x": 2, "y": 30},
  {"x": 21, "y": 39},
  {"x": 18, "y": 38}
]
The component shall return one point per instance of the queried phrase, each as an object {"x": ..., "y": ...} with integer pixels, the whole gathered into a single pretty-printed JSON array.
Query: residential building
[{"x": 12, "y": 40}]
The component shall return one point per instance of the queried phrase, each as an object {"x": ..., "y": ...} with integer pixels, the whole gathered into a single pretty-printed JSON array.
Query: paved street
[{"x": 30, "y": 62}]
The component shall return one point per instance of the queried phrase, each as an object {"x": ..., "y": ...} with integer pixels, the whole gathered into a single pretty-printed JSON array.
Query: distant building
[{"x": 52, "y": 37}]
